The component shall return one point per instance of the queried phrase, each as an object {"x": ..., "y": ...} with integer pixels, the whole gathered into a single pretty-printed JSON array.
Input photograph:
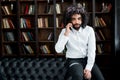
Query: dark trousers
[{"x": 75, "y": 69}]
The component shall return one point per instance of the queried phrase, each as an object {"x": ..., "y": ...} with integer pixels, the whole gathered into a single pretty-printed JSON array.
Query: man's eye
[{"x": 79, "y": 18}]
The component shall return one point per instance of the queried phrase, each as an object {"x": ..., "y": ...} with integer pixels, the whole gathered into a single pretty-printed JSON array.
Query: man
[{"x": 79, "y": 40}]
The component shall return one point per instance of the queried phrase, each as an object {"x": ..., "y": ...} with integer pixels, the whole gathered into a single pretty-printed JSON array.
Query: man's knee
[{"x": 76, "y": 71}]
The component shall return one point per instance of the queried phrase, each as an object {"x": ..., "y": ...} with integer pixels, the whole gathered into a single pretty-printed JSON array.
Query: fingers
[
  {"x": 69, "y": 25},
  {"x": 87, "y": 74}
]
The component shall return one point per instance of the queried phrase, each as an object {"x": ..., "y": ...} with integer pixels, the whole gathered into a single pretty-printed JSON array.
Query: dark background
[{"x": 117, "y": 40}]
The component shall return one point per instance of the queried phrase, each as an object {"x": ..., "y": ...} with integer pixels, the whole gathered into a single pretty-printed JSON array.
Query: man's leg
[
  {"x": 96, "y": 73},
  {"x": 76, "y": 71}
]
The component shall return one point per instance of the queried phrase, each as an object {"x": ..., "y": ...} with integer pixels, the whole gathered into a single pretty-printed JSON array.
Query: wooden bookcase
[{"x": 30, "y": 28}]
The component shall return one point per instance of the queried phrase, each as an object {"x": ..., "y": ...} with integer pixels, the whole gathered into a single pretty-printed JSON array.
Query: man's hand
[
  {"x": 87, "y": 74},
  {"x": 68, "y": 26}
]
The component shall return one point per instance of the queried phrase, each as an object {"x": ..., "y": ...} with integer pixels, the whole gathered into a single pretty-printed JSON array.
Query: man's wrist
[{"x": 66, "y": 33}]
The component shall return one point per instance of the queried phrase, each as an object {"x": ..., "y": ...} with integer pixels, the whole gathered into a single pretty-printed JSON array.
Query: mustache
[{"x": 76, "y": 24}]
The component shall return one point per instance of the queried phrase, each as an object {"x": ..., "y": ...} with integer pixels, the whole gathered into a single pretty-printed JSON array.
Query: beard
[{"x": 76, "y": 26}]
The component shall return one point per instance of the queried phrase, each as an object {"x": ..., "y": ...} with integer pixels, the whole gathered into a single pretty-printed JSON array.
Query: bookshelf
[
  {"x": 31, "y": 27},
  {"x": 27, "y": 28},
  {"x": 39, "y": 22},
  {"x": 36, "y": 23}
]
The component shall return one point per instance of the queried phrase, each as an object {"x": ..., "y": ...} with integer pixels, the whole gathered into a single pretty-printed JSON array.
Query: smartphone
[{"x": 70, "y": 27}]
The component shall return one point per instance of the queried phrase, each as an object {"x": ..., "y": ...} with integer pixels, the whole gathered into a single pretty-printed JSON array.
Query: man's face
[{"x": 76, "y": 20}]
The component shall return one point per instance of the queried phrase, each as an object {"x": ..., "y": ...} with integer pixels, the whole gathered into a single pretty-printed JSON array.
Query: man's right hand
[{"x": 68, "y": 26}]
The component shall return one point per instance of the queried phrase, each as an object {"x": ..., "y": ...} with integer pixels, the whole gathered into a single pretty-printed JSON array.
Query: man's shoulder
[
  {"x": 89, "y": 27},
  {"x": 63, "y": 29}
]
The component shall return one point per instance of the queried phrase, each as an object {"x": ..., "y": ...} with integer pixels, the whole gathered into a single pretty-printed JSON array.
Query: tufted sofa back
[{"x": 32, "y": 68}]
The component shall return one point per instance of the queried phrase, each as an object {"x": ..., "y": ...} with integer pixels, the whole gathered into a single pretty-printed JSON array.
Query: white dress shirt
[{"x": 79, "y": 44}]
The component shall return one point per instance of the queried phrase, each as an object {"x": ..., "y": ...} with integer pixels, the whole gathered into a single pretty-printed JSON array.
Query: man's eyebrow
[{"x": 79, "y": 17}]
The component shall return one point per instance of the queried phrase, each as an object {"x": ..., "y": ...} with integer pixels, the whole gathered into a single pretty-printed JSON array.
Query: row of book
[
  {"x": 99, "y": 35},
  {"x": 29, "y": 36},
  {"x": 103, "y": 34},
  {"x": 9, "y": 36},
  {"x": 100, "y": 22},
  {"x": 25, "y": 36},
  {"x": 7, "y": 23},
  {"x": 49, "y": 8},
  {"x": 27, "y": 9},
  {"x": 45, "y": 49},
  {"x": 26, "y": 49},
  {"x": 7, "y": 9},
  {"x": 103, "y": 48},
  {"x": 106, "y": 7},
  {"x": 25, "y": 23},
  {"x": 7, "y": 0},
  {"x": 43, "y": 22},
  {"x": 30, "y": 9}
]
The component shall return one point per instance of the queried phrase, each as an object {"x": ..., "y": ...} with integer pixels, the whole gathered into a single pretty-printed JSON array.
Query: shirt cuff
[{"x": 88, "y": 67}]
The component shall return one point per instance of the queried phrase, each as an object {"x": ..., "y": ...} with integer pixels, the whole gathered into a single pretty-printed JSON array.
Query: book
[
  {"x": 58, "y": 9},
  {"x": 102, "y": 22},
  {"x": 40, "y": 23},
  {"x": 11, "y": 23},
  {"x": 9, "y": 36},
  {"x": 4, "y": 24},
  {"x": 22, "y": 23},
  {"x": 106, "y": 7},
  {"x": 8, "y": 49},
  {"x": 28, "y": 49},
  {"x": 99, "y": 49},
  {"x": 101, "y": 33},
  {"x": 51, "y": 9},
  {"x": 50, "y": 36},
  {"x": 29, "y": 34},
  {"x": 45, "y": 49},
  {"x": 97, "y": 36},
  {"x": 31, "y": 9},
  {"x": 47, "y": 8},
  {"x": 57, "y": 22},
  {"x": 27, "y": 23},
  {"x": 7, "y": 10},
  {"x": 24, "y": 34},
  {"x": 26, "y": 9}
]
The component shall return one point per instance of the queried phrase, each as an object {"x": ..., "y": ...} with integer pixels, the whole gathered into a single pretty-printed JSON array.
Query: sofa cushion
[{"x": 32, "y": 68}]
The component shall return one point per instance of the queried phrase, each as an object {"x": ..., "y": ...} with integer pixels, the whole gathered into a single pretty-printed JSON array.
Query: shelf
[{"x": 38, "y": 23}]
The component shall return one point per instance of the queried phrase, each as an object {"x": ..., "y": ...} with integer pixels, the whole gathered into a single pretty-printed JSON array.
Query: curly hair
[{"x": 74, "y": 9}]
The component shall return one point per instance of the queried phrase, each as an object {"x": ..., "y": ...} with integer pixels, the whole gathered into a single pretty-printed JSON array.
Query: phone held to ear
[{"x": 71, "y": 26}]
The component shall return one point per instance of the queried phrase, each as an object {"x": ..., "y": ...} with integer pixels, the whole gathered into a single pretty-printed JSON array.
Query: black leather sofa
[{"x": 32, "y": 68}]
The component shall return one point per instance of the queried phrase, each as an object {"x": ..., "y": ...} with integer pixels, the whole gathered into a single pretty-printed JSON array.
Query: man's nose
[{"x": 77, "y": 21}]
